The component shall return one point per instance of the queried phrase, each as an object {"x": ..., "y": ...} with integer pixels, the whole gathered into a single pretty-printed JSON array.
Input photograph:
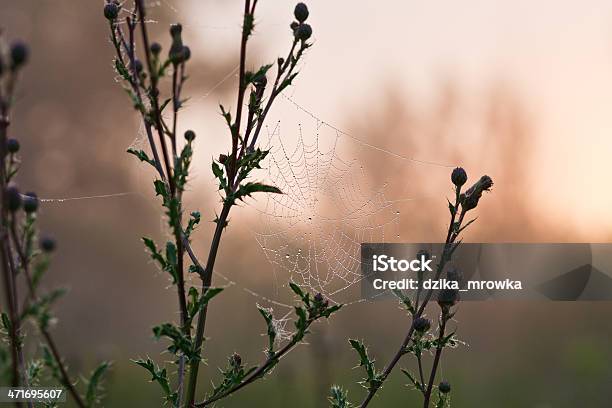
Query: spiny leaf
[{"x": 94, "y": 384}]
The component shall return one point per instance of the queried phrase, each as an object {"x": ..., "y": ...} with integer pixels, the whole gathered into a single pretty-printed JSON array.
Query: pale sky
[{"x": 556, "y": 56}]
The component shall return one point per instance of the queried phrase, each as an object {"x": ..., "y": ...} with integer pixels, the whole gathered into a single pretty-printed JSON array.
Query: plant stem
[
  {"x": 7, "y": 269},
  {"x": 206, "y": 282},
  {"x": 436, "y": 361},
  {"x": 261, "y": 370},
  {"x": 25, "y": 265},
  {"x": 450, "y": 239}
]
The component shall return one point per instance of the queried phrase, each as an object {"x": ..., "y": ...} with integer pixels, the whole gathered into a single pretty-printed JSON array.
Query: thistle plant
[
  {"x": 144, "y": 70},
  {"x": 418, "y": 340},
  {"x": 25, "y": 259}
]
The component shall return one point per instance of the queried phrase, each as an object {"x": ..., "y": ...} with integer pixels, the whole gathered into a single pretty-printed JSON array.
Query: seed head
[
  {"x": 459, "y": 176},
  {"x": 190, "y": 135},
  {"x": 444, "y": 387},
  {"x": 301, "y": 12},
  {"x": 472, "y": 195},
  {"x": 111, "y": 10},
  {"x": 176, "y": 29},
  {"x": 421, "y": 324},
  {"x": 19, "y": 54},
  {"x": 156, "y": 48},
  {"x": 12, "y": 145},
  {"x": 235, "y": 360},
  {"x": 47, "y": 244},
  {"x": 137, "y": 65},
  {"x": 303, "y": 32},
  {"x": 30, "y": 202},
  {"x": 186, "y": 53},
  {"x": 12, "y": 198}
]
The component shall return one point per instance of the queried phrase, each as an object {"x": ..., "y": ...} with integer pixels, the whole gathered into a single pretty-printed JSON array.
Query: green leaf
[
  {"x": 338, "y": 398},
  {"x": 194, "y": 220},
  {"x": 94, "y": 384},
  {"x": 286, "y": 82},
  {"x": 271, "y": 329},
  {"x": 142, "y": 156},
  {"x": 413, "y": 380},
  {"x": 179, "y": 341},
  {"x": 6, "y": 322},
  {"x": 154, "y": 252},
  {"x": 160, "y": 376},
  {"x": 246, "y": 190}
]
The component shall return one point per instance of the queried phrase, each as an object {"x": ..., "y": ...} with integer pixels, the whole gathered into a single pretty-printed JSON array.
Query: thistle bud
[
  {"x": 111, "y": 11},
  {"x": 421, "y": 325},
  {"x": 235, "y": 360},
  {"x": 176, "y": 30},
  {"x": 301, "y": 12},
  {"x": 47, "y": 244},
  {"x": 19, "y": 54},
  {"x": 280, "y": 61},
  {"x": 138, "y": 66},
  {"x": 459, "y": 176},
  {"x": 318, "y": 298},
  {"x": 303, "y": 32},
  {"x": 12, "y": 145},
  {"x": 30, "y": 202},
  {"x": 12, "y": 198},
  {"x": 472, "y": 195},
  {"x": 294, "y": 25},
  {"x": 156, "y": 48},
  {"x": 186, "y": 53},
  {"x": 444, "y": 387},
  {"x": 176, "y": 55},
  {"x": 190, "y": 135},
  {"x": 222, "y": 158},
  {"x": 448, "y": 297}
]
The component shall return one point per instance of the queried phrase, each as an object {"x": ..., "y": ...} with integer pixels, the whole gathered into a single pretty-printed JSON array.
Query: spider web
[{"x": 312, "y": 233}]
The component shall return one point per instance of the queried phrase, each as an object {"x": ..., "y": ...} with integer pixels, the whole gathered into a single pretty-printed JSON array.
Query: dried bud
[
  {"x": 472, "y": 195},
  {"x": 190, "y": 135},
  {"x": 47, "y": 244},
  {"x": 156, "y": 48},
  {"x": 235, "y": 360},
  {"x": 459, "y": 176},
  {"x": 138, "y": 66},
  {"x": 421, "y": 325},
  {"x": 303, "y": 32},
  {"x": 176, "y": 55},
  {"x": 176, "y": 30},
  {"x": 30, "y": 202},
  {"x": 301, "y": 12},
  {"x": 448, "y": 297},
  {"x": 186, "y": 53},
  {"x": 12, "y": 198},
  {"x": 222, "y": 158},
  {"x": 294, "y": 25},
  {"x": 111, "y": 11},
  {"x": 12, "y": 145},
  {"x": 444, "y": 387},
  {"x": 280, "y": 61},
  {"x": 19, "y": 54}
]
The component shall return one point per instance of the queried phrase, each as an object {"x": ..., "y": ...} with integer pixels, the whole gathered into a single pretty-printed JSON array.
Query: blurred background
[{"x": 514, "y": 89}]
